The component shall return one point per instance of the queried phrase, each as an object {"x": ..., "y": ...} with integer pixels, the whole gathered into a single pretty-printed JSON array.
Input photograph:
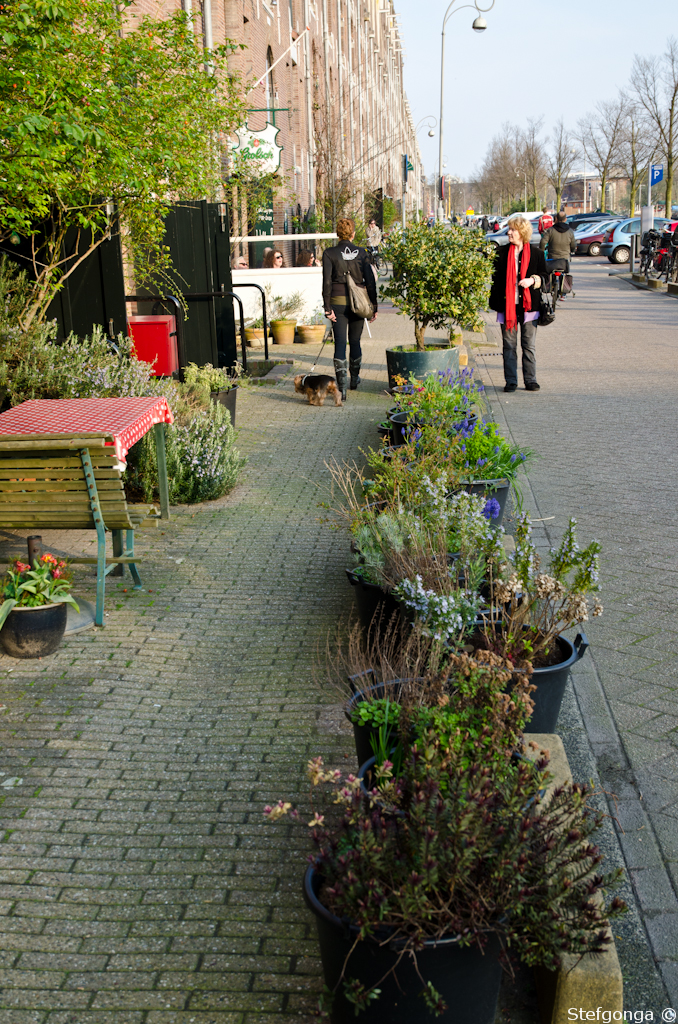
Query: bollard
[{"x": 34, "y": 549}]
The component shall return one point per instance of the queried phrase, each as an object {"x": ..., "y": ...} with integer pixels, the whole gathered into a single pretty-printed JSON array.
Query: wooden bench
[{"x": 67, "y": 482}]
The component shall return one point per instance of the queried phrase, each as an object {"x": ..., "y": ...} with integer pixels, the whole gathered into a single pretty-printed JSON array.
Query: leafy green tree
[
  {"x": 107, "y": 119},
  {"x": 441, "y": 276}
]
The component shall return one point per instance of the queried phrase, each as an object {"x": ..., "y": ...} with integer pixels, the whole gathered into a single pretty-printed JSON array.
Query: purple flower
[
  {"x": 513, "y": 458},
  {"x": 481, "y": 462},
  {"x": 492, "y": 508}
]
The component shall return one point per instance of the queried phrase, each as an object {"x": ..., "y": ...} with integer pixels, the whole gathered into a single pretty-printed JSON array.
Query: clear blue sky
[{"x": 569, "y": 54}]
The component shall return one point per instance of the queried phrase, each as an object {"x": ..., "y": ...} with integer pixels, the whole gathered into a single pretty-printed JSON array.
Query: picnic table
[
  {"x": 61, "y": 465},
  {"x": 123, "y": 420}
]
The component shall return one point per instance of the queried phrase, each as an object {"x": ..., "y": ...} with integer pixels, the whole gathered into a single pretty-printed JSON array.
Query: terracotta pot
[
  {"x": 283, "y": 331},
  {"x": 254, "y": 337},
  {"x": 309, "y": 333}
]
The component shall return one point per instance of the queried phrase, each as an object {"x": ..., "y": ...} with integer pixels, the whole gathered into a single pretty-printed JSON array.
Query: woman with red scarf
[{"x": 516, "y": 299}]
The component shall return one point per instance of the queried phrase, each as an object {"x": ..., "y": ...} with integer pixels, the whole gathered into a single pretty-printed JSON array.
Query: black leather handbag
[{"x": 547, "y": 313}]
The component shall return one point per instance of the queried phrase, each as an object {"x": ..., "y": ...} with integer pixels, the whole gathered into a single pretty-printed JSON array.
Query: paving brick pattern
[
  {"x": 139, "y": 881},
  {"x": 603, "y": 426}
]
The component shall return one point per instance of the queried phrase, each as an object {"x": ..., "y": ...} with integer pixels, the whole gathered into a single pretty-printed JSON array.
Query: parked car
[
  {"x": 589, "y": 218},
  {"x": 591, "y": 237},
  {"x": 617, "y": 242},
  {"x": 501, "y": 237}
]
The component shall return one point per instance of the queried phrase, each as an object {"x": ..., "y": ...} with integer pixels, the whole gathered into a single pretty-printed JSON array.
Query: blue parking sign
[{"x": 657, "y": 173}]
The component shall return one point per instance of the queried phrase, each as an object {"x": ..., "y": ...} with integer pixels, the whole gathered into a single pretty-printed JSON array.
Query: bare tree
[
  {"x": 533, "y": 158},
  {"x": 600, "y": 135},
  {"x": 655, "y": 83},
  {"x": 636, "y": 148},
  {"x": 560, "y": 160}
]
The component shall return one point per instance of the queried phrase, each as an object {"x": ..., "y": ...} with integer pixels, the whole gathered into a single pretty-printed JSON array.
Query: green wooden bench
[{"x": 68, "y": 482}]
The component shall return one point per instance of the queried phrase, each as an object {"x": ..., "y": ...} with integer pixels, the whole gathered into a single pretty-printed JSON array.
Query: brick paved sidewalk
[
  {"x": 604, "y": 427},
  {"x": 138, "y": 879}
]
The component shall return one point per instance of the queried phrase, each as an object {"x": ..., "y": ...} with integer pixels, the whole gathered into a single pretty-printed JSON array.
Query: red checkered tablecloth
[{"x": 125, "y": 420}]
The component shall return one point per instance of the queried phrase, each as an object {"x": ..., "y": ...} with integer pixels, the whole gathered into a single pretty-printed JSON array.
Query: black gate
[
  {"x": 198, "y": 240},
  {"x": 93, "y": 294}
]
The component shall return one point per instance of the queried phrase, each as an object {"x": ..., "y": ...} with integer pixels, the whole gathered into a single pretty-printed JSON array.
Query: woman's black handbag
[{"x": 547, "y": 313}]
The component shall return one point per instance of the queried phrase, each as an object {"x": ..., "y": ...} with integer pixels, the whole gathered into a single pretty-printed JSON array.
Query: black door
[{"x": 198, "y": 240}]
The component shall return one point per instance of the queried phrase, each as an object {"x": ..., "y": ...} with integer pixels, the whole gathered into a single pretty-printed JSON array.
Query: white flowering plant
[
  {"x": 447, "y": 617},
  {"x": 531, "y": 607}
]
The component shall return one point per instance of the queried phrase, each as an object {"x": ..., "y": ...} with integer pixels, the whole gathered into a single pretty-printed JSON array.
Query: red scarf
[{"x": 511, "y": 315}]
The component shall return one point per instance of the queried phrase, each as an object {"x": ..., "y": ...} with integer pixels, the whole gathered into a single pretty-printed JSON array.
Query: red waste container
[{"x": 155, "y": 341}]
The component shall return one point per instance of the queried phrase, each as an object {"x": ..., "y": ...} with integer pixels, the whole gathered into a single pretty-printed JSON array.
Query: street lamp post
[{"x": 479, "y": 25}]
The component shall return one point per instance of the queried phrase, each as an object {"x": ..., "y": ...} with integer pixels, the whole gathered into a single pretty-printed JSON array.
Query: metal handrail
[
  {"x": 253, "y": 284},
  {"x": 243, "y": 339}
]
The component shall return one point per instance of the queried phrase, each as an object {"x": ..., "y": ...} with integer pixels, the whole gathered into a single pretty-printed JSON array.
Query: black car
[{"x": 589, "y": 218}]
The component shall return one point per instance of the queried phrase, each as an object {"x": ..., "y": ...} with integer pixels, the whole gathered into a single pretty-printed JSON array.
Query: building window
[{"x": 270, "y": 93}]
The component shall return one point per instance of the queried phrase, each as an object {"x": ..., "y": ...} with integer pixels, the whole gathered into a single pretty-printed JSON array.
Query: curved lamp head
[
  {"x": 431, "y": 133},
  {"x": 479, "y": 25}
]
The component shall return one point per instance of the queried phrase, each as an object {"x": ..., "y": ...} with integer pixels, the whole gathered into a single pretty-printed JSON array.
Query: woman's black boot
[
  {"x": 341, "y": 373},
  {"x": 354, "y": 367}
]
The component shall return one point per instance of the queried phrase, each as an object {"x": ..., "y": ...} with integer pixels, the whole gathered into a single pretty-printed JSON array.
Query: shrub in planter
[
  {"x": 33, "y": 608},
  {"x": 537, "y": 606},
  {"x": 445, "y": 398},
  {"x": 405, "y": 881},
  {"x": 441, "y": 276}
]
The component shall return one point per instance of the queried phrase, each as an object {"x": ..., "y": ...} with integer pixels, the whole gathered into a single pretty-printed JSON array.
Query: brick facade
[{"x": 345, "y": 120}]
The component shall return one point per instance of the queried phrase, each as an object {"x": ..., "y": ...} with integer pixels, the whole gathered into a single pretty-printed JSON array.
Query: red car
[{"x": 589, "y": 245}]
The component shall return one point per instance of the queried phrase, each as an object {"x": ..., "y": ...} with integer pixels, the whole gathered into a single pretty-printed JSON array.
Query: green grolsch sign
[{"x": 259, "y": 149}]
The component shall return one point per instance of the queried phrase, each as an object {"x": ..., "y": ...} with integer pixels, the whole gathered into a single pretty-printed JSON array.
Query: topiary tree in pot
[{"x": 441, "y": 277}]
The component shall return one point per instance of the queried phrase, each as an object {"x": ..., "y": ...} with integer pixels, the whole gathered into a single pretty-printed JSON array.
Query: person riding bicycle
[
  {"x": 561, "y": 245},
  {"x": 374, "y": 237}
]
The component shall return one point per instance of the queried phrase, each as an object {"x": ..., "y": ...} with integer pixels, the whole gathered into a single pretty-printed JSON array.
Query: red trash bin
[{"x": 155, "y": 341}]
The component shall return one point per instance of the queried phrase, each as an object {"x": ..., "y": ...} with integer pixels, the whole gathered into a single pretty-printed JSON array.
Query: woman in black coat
[
  {"x": 515, "y": 296},
  {"x": 342, "y": 259}
]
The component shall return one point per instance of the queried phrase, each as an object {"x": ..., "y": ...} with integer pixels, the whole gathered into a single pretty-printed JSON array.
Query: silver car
[{"x": 501, "y": 237}]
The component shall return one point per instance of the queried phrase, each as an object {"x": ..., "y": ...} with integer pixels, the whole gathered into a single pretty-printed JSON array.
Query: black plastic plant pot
[
  {"x": 364, "y": 734},
  {"x": 551, "y": 683},
  {"x": 228, "y": 400},
  {"x": 34, "y": 632},
  {"x": 439, "y": 357},
  {"x": 467, "y": 978},
  {"x": 498, "y": 489},
  {"x": 467, "y": 423},
  {"x": 374, "y": 604},
  {"x": 401, "y": 424}
]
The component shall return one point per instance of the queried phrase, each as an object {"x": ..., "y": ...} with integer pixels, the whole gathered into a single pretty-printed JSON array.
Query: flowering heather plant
[
  {"x": 537, "y": 606},
  {"x": 475, "y": 851},
  {"x": 47, "y": 582}
]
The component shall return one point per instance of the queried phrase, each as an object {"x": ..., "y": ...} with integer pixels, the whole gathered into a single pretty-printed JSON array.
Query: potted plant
[
  {"x": 531, "y": 608},
  {"x": 254, "y": 333},
  {"x": 413, "y": 916},
  {"x": 314, "y": 328},
  {"x": 221, "y": 383},
  {"x": 33, "y": 608},
  {"x": 283, "y": 312},
  {"x": 441, "y": 276}
]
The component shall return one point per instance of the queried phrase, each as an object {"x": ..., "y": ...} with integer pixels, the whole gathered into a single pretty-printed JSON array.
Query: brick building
[{"x": 335, "y": 91}]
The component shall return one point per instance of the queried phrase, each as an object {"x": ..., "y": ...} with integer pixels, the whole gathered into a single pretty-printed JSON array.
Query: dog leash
[{"x": 318, "y": 359}]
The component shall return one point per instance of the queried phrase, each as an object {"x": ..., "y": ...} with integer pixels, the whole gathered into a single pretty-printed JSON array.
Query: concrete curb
[{"x": 594, "y": 980}]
